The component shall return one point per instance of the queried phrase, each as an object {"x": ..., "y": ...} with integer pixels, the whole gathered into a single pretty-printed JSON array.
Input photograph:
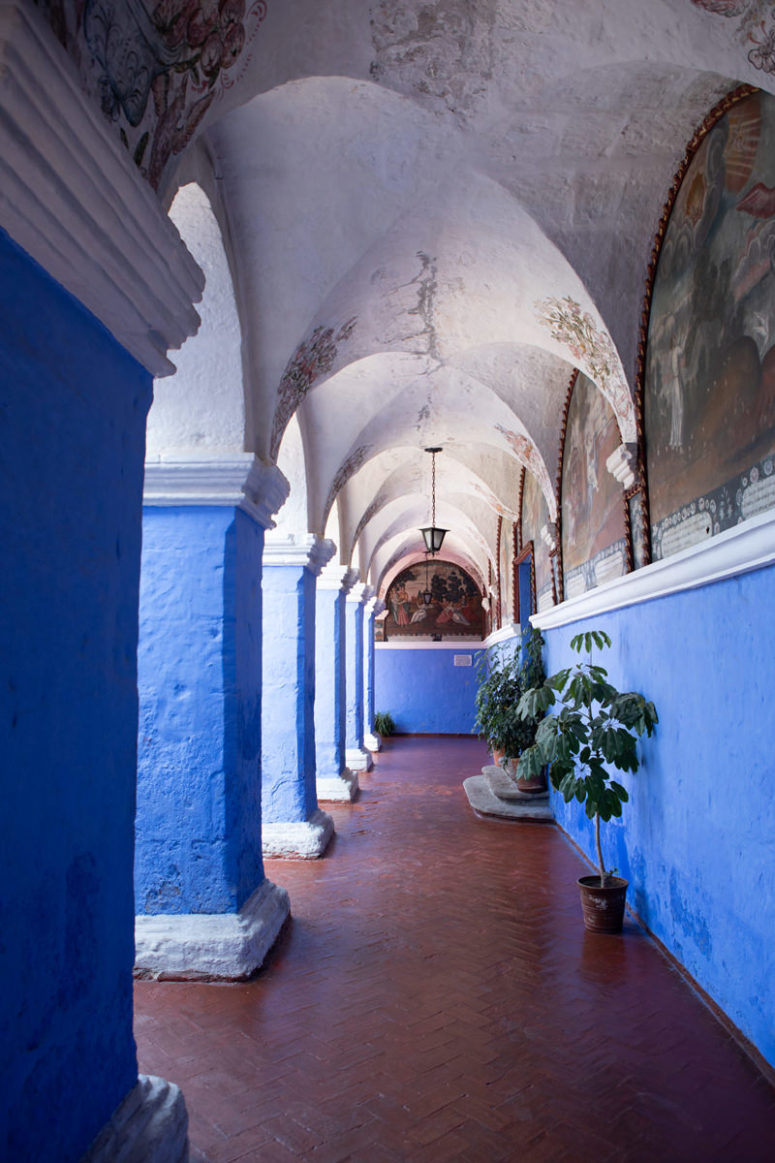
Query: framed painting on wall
[{"x": 454, "y": 611}]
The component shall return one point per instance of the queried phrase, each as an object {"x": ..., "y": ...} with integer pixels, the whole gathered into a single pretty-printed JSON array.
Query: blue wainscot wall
[
  {"x": 697, "y": 840},
  {"x": 423, "y": 689},
  {"x": 73, "y": 407}
]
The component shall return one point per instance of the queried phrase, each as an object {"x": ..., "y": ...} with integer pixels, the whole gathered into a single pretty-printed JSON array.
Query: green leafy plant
[
  {"x": 596, "y": 728},
  {"x": 383, "y": 723},
  {"x": 502, "y": 682}
]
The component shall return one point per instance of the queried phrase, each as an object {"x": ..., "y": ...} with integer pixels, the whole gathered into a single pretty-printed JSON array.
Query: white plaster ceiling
[{"x": 409, "y": 191}]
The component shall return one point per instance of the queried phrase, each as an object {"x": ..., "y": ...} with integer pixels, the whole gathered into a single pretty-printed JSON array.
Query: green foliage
[
  {"x": 502, "y": 683},
  {"x": 383, "y": 723},
  {"x": 595, "y": 729}
]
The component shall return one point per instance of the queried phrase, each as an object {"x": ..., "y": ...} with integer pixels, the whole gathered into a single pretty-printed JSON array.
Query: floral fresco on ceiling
[
  {"x": 312, "y": 360},
  {"x": 593, "y": 520},
  {"x": 455, "y": 609},
  {"x": 709, "y": 389},
  {"x": 156, "y": 66},
  {"x": 528, "y": 455},
  {"x": 592, "y": 349},
  {"x": 755, "y": 31}
]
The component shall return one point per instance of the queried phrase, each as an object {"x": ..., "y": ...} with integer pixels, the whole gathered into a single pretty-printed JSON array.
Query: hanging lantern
[{"x": 433, "y": 536}]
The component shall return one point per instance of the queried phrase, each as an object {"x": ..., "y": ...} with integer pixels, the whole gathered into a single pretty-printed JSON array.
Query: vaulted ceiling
[{"x": 432, "y": 212}]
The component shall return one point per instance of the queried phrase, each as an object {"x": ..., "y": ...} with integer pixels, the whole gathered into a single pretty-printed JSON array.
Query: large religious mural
[
  {"x": 455, "y": 609},
  {"x": 709, "y": 391},
  {"x": 535, "y": 518},
  {"x": 156, "y": 66},
  {"x": 593, "y": 518}
]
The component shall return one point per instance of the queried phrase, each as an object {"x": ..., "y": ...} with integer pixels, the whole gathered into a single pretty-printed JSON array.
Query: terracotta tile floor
[{"x": 435, "y": 998}]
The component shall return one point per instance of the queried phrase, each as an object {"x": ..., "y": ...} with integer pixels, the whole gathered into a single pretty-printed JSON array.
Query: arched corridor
[{"x": 435, "y": 997}]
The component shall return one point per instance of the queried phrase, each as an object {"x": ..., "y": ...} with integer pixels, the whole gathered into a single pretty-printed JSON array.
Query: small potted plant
[
  {"x": 596, "y": 729},
  {"x": 383, "y": 723},
  {"x": 502, "y": 682}
]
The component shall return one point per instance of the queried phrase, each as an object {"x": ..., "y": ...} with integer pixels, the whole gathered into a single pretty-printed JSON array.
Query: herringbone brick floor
[{"x": 435, "y": 998}]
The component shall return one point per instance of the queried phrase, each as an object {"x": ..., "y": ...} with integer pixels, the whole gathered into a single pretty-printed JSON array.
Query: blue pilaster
[
  {"x": 334, "y": 781},
  {"x": 291, "y": 818},
  {"x": 371, "y": 739},
  {"x": 198, "y": 849},
  {"x": 358, "y": 758}
]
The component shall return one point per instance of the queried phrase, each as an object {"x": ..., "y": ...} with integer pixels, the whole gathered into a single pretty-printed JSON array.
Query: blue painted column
[
  {"x": 371, "y": 739},
  {"x": 204, "y": 906},
  {"x": 335, "y": 781},
  {"x": 358, "y": 758},
  {"x": 292, "y": 823}
]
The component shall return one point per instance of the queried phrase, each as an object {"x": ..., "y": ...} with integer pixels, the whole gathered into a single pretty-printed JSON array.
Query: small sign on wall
[{"x": 462, "y": 660}]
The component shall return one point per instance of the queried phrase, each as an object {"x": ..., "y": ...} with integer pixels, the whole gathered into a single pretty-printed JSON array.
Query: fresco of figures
[
  {"x": 709, "y": 392},
  {"x": 593, "y": 518},
  {"x": 455, "y": 610},
  {"x": 535, "y": 516}
]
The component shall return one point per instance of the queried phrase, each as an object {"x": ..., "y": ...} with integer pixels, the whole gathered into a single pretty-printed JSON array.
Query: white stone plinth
[
  {"x": 211, "y": 946},
  {"x": 372, "y": 741},
  {"x": 298, "y": 839},
  {"x": 150, "y": 1126},
  {"x": 359, "y": 759},
  {"x": 342, "y": 788}
]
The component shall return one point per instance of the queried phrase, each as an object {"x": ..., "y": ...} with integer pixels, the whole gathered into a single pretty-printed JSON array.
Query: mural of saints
[
  {"x": 593, "y": 522},
  {"x": 709, "y": 397},
  {"x": 535, "y": 516},
  {"x": 455, "y": 609}
]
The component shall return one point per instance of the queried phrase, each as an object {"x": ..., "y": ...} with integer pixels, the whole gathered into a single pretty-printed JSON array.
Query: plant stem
[{"x": 603, "y": 873}]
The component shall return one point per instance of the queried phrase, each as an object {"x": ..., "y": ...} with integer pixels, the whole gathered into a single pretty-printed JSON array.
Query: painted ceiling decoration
[
  {"x": 434, "y": 214},
  {"x": 156, "y": 66}
]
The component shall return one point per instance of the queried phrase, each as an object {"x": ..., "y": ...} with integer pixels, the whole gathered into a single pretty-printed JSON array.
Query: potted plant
[
  {"x": 383, "y": 723},
  {"x": 596, "y": 729},
  {"x": 502, "y": 683}
]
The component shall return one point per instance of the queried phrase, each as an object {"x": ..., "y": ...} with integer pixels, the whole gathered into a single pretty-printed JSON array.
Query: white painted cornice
[
  {"x": 71, "y": 197},
  {"x": 236, "y": 480},
  {"x": 746, "y": 547},
  {"x": 306, "y": 552},
  {"x": 507, "y": 632},
  {"x": 460, "y": 645}
]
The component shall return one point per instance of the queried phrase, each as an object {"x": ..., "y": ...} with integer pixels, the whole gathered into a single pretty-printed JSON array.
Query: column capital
[
  {"x": 235, "y": 480},
  {"x": 623, "y": 464},
  {"x": 374, "y": 606},
  {"x": 307, "y": 551},
  {"x": 71, "y": 197},
  {"x": 334, "y": 577},
  {"x": 360, "y": 593}
]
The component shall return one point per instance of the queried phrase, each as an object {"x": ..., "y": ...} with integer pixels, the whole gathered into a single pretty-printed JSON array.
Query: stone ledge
[
  {"x": 505, "y": 788},
  {"x": 341, "y": 788},
  {"x": 486, "y": 803},
  {"x": 211, "y": 946},
  {"x": 298, "y": 839},
  {"x": 150, "y": 1126}
]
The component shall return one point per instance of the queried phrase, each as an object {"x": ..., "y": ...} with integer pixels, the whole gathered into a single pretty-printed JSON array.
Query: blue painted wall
[
  {"x": 199, "y": 673},
  {"x": 288, "y": 748},
  {"x": 424, "y": 691},
  {"x": 697, "y": 840},
  {"x": 73, "y": 407}
]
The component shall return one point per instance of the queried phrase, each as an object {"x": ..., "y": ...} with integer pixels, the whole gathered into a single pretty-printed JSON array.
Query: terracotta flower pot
[{"x": 603, "y": 905}]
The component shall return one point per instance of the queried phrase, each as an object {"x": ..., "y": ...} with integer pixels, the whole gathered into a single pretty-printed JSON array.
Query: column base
[
  {"x": 298, "y": 839},
  {"x": 342, "y": 788},
  {"x": 211, "y": 946},
  {"x": 151, "y": 1123},
  {"x": 372, "y": 741},
  {"x": 359, "y": 759}
]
